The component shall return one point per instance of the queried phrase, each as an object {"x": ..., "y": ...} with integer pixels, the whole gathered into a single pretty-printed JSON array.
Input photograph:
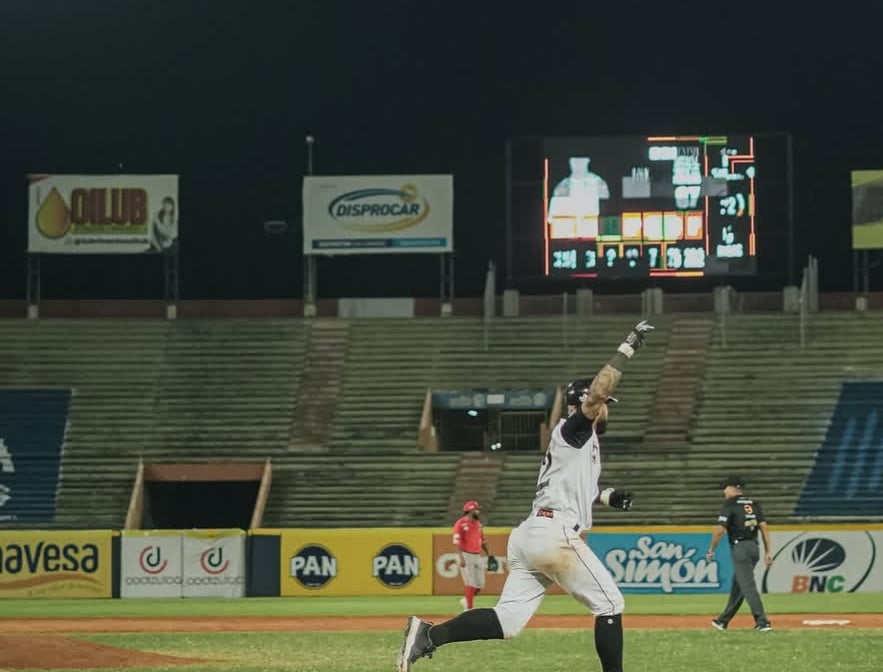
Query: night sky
[{"x": 224, "y": 92}]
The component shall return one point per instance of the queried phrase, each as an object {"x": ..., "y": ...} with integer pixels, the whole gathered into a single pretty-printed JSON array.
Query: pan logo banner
[
  {"x": 378, "y": 214},
  {"x": 356, "y": 562},
  {"x": 102, "y": 214}
]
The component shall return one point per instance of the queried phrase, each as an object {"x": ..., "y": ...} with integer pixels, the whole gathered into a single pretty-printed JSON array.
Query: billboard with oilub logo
[
  {"x": 102, "y": 214},
  {"x": 378, "y": 214}
]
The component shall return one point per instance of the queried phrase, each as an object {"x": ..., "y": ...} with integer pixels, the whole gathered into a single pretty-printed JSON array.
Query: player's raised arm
[{"x": 611, "y": 373}]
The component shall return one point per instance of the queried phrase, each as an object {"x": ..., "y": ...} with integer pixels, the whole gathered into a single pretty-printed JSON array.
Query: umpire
[{"x": 741, "y": 516}]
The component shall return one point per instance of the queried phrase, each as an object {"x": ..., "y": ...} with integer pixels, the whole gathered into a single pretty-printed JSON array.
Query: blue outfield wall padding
[{"x": 263, "y": 553}]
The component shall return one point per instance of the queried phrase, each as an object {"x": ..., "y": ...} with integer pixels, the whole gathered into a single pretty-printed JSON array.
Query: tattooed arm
[
  {"x": 608, "y": 377},
  {"x": 602, "y": 387}
]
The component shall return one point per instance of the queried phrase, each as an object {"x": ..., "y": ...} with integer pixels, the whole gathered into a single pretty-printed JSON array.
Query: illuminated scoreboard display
[{"x": 658, "y": 206}]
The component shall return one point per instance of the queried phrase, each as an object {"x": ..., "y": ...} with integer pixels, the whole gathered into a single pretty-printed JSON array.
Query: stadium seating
[
  {"x": 767, "y": 403},
  {"x": 345, "y": 450},
  {"x": 165, "y": 391}
]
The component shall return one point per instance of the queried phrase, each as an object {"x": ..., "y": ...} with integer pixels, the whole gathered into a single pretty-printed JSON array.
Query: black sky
[{"x": 223, "y": 93}]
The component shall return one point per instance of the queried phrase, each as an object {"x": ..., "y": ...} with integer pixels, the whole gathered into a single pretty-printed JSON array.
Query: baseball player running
[
  {"x": 548, "y": 547},
  {"x": 469, "y": 540}
]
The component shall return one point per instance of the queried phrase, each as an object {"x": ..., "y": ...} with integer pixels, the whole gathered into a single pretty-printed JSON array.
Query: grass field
[{"x": 658, "y": 650}]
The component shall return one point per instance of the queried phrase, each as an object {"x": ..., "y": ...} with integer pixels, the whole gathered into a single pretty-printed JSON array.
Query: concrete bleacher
[
  {"x": 766, "y": 404},
  {"x": 391, "y": 364},
  {"x": 166, "y": 391},
  {"x": 375, "y": 489},
  {"x": 763, "y": 410},
  {"x": 227, "y": 389}
]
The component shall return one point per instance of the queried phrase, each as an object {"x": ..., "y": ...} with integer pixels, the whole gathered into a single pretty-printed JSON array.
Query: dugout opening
[{"x": 188, "y": 496}]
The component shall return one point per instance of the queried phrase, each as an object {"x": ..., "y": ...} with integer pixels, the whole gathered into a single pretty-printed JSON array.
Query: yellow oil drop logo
[{"x": 53, "y": 216}]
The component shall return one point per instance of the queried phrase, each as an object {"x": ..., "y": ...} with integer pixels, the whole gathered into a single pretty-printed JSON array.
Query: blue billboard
[
  {"x": 663, "y": 562},
  {"x": 32, "y": 430}
]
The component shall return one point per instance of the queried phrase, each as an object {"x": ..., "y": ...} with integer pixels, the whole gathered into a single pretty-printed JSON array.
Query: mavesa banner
[
  {"x": 355, "y": 562},
  {"x": 44, "y": 564},
  {"x": 102, "y": 214},
  {"x": 378, "y": 214}
]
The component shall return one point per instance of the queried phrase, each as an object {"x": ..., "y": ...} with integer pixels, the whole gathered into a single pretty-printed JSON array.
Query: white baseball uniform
[{"x": 547, "y": 547}]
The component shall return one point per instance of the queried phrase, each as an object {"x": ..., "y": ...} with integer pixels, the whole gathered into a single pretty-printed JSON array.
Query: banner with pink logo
[
  {"x": 214, "y": 563},
  {"x": 151, "y": 564}
]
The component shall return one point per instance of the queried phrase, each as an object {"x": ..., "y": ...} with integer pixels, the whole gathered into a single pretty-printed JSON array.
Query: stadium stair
[
  {"x": 678, "y": 385},
  {"x": 477, "y": 476},
  {"x": 327, "y": 342}
]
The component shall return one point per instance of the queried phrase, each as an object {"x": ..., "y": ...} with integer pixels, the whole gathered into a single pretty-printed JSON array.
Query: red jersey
[{"x": 468, "y": 535}]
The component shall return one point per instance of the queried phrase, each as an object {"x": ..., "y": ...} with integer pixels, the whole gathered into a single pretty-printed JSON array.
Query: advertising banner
[
  {"x": 823, "y": 561},
  {"x": 378, "y": 214},
  {"x": 32, "y": 434},
  {"x": 356, "y": 562},
  {"x": 867, "y": 210},
  {"x": 663, "y": 562},
  {"x": 102, "y": 214},
  {"x": 447, "y": 577},
  {"x": 151, "y": 564},
  {"x": 652, "y": 563},
  {"x": 43, "y": 564},
  {"x": 214, "y": 563}
]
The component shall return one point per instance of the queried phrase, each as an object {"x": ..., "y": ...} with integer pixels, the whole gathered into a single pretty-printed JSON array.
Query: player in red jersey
[{"x": 469, "y": 540}]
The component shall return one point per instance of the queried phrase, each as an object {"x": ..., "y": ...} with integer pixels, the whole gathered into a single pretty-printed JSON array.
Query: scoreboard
[{"x": 650, "y": 206}]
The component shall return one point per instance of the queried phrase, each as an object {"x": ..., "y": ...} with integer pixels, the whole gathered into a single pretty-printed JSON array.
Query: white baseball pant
[
  {"x": 543, "y": 551},
  {"x": 473, "y": 570}
]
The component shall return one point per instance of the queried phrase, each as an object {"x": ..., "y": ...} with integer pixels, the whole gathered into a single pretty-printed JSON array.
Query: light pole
[{"x": 309, "y": 259}]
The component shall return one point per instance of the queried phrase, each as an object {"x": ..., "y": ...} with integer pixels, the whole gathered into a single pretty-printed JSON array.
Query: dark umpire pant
[{"x": 745, "y": 557}]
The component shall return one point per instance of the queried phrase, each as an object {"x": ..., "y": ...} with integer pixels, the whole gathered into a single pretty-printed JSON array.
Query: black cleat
[
  {"x": 763, "y": 626},
  {"x": 416, "y": 644},
  {"x": 720, "y": 625}
]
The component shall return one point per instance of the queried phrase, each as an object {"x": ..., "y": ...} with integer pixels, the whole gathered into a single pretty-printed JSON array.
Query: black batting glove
[
  {"x": 635, "y": 339},
  {"x": 617, "y": 500}
]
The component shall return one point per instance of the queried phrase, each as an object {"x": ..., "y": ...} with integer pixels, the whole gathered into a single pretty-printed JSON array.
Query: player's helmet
[
  {"x": 578, "y": 388},
  {"x": 471, "y": 505}
]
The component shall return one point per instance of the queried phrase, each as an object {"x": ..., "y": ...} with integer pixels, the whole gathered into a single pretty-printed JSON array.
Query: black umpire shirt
[{"x": 741, "y": 516}]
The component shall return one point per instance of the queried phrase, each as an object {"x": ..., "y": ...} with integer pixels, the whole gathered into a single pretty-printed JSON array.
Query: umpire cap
[{"x": 734, "y": 480}]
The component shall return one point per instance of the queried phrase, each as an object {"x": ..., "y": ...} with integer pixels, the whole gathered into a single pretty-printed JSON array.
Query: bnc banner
[
  {"x": 102, "y": 214},
  {"x": 378, "y": 214},
  {"x": 214, "y": 563},
  {"x": 824, "y": 561},
  {"x": 151, "y": 564}
]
